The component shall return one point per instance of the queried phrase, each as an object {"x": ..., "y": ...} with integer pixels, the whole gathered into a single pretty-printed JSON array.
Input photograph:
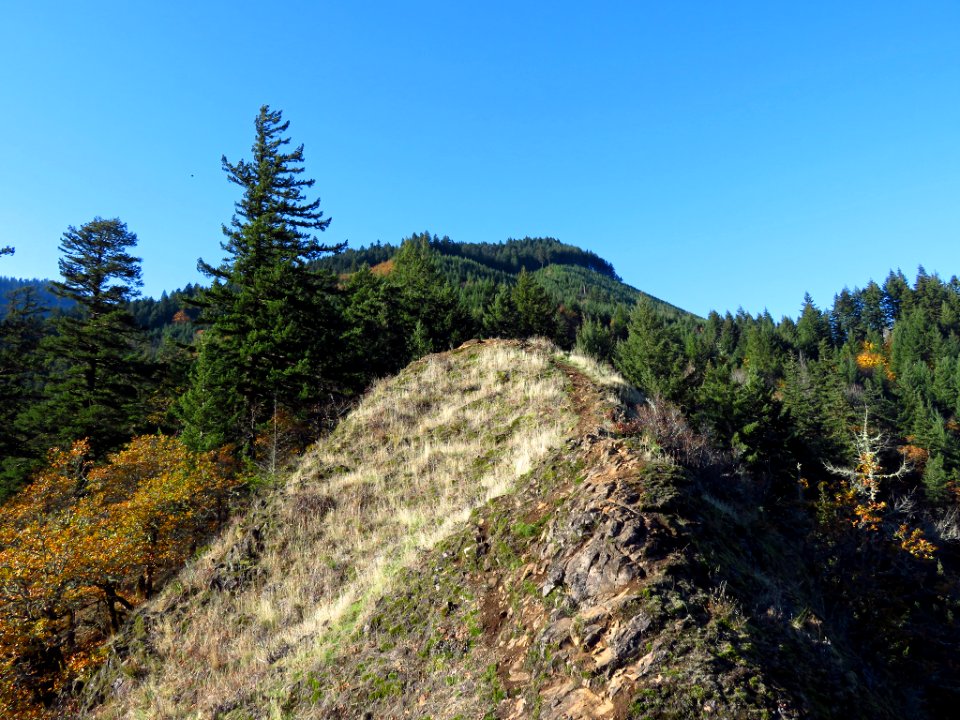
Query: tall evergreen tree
[
  {"x": 873, "y": 313},
  {"x": 897, "y": 296},
  {"x": 272, "y": 316},
  {"x": 94, "y": 358},
  {"x": 845, "y": 321},
  {"x": 812, "y": 328}
]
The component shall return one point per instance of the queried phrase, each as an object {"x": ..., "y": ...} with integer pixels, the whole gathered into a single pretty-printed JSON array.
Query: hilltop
[
  {"x": 578, "y": 279},
  {"x": 495, "y": 532}
]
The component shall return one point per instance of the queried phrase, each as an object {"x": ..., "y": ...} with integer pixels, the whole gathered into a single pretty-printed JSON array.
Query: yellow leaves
[
  {"x": 81, "y": 537},
  {"x": 869, "y": 515},
  {"x": 914, "y": 543},
  {"x": 870, "y": 358}
]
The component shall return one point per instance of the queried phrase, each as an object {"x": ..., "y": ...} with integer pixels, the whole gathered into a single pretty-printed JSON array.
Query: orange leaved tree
[{"x": 82, "y": 544}]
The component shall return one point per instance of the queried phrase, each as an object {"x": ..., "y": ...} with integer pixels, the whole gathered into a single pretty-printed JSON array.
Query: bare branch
[{"x": 866, "y": 476}]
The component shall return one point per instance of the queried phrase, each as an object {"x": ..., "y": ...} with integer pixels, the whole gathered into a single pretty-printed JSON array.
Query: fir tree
[
  {"x": 935, "y": 479},
  {"x": 431, "y": 314},
  {"x": 652, "y": 357},
  {"x": 812, "y": 328},
  {"x": 500, "y": 316},
  {"x": 536, "y": 312},
  {"x": 595, "y": 339},
  {"x": 273, "y": 318},
  {"x": 373, "y": 335},
  {"x": 96, "y": 372},
  {"x": 873, "y": 313},
  {"x": 897, "y": 296}
]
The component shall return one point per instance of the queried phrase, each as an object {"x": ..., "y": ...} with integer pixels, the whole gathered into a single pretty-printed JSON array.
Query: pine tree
[
  {"x": 536, "y": 311},
  {"x": 762, "y": 352},
  {"x": 273, "y": 318},
  {"x": 812, "y": 328},
  {"x": 874, "y": 314},
  {"x": 815, "y": 409},
  {"x": 94, "y": 357},
  {"x": 897, "y": 296},
  {"x": 845, "y": 317},
  {"x": 373, "y": 339},
  {"x": 500, "y": 316},
  {"x": 212, "y": 406},
  {"x": 431, "y": 313},
  {"x": 935, "y": 479},
  {"x": 652, "y": 357},
  {"x": 595, "y": 339}
]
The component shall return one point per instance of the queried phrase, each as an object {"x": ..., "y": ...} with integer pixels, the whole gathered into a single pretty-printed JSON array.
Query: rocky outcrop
[{"x": 592, "y": 563}]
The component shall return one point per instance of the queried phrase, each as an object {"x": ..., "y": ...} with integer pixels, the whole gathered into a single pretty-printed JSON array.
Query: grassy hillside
[
  {"x": 301, "y": 571},
  {"x": 504, "y": 531}
]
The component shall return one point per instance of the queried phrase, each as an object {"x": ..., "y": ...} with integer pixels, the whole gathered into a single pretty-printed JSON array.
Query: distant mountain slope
[
  {"x": 45, "y": 297},
  {"x": 481, "y": 540},
  {"x": 574, "y": 277},
  {"x": 508, "y": 257},
  {"x": 596, "y": 295}
]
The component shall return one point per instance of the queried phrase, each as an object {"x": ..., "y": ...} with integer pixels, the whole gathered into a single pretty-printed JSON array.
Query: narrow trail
[{"x": 587, "y": 402}]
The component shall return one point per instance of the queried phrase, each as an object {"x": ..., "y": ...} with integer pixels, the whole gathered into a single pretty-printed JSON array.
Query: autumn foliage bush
[{"x": 84, "y": 543}]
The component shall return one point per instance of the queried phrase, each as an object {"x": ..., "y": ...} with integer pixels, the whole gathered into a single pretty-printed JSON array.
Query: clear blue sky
[{"x": 719, "y": 154}]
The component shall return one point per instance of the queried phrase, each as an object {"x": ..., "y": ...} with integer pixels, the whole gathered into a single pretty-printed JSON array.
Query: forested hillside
[
  {"x": 40, "y": 288},
  {"x": 576, "y": 279},
  {"x": 134, "y": 428},
  {"x": 509, "y": 257}
]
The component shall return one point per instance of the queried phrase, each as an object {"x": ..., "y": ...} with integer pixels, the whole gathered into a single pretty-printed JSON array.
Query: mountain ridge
[{"x": 619, "y": 571}]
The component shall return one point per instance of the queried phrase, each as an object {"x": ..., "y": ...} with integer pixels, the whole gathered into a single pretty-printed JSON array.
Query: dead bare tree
[{"x": 866, "y": 476}]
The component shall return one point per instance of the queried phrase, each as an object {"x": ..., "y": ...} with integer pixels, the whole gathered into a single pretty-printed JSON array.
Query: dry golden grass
[
  {"x": 619, "y": 391},
  {"x": 400, "y": 473}
]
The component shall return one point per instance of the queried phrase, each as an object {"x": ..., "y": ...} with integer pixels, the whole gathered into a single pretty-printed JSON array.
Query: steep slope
[
  {"x": 490, "y": 535},
  {"x": 421, "y": 451},
  {"x": 574, "y": 277},
  {"x": 597, "y": 295}
]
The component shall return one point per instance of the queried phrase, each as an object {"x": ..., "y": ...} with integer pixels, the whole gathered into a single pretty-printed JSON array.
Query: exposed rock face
[{"x": 593, "y": 559}]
